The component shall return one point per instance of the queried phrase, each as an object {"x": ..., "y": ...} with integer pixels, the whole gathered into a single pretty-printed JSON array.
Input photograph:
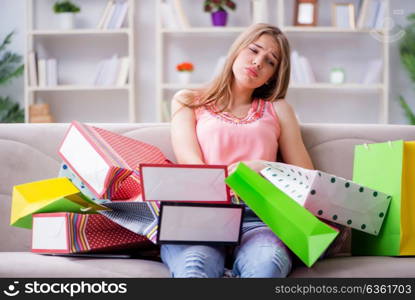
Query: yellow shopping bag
[{"x": 51, "y": 195}]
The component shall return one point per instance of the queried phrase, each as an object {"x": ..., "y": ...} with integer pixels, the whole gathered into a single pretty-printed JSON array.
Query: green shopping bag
[
  {"x": 300, "y": 231},
  {"x": 390, "y": 168}
]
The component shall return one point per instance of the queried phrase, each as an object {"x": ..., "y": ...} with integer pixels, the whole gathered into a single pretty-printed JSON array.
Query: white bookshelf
[
  {"x": 78, "y": 88},
  {"x": 374, "y": 95},
  {"x": 79, "y": 32},
  {"x": 46, "y": 39}
]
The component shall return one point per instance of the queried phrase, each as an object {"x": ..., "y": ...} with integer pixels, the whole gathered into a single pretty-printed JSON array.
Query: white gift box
[{"x": 331, "y": 197}]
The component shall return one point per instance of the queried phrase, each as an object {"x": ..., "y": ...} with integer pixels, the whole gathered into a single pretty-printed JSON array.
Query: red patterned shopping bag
[
  {"x": 79, "y": 233},
  {"x": 108, "y": 163}
]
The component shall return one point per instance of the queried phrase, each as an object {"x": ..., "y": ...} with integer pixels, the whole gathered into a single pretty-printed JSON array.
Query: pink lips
[{"x": 252, "y": 71}]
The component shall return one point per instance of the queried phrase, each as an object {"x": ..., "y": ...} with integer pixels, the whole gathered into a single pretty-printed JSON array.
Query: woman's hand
[{"x": 256, "y": 165}]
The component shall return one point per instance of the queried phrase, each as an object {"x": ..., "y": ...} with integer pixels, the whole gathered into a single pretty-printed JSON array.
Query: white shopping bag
[{"x": 331, "y": 197}]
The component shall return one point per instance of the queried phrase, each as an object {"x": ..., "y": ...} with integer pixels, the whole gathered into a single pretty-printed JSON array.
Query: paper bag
[
  {"x": 331, "y": 197},
  {"x": 299, "y": 230},
  {"x": 184, "y": 183},
  {"x": 51, "y": 195},
  {"x": 79, "y": 233},
  {"x": 390, "y": 168},
  {"x": 107, "y": 162},
  {"x": 196, "y": 223}
]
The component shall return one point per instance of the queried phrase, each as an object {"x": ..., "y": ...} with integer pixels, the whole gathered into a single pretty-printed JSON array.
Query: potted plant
[
  {"x": 407, "y": 53},
  {"x": 66, "y": 11},
  {"x": 217, "y": 10},
  {"x": 185, "y": 70},
  {"x": 10, "y": 67}
]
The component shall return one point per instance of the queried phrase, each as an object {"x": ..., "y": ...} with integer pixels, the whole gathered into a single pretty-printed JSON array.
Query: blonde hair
[{"x": 219, "y": 90}]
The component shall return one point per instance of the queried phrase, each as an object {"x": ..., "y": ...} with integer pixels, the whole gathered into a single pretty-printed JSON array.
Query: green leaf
[
  {"x": 65, "y": 6},
  {"x": 10, "y": 63},
  {"x": 6, "y": 41},
  {"x": 408, "y": 111},
  {"x": 10, "y": 111}
]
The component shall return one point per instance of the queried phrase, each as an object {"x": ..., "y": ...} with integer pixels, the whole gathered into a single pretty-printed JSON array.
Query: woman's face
[{"x": 256, "y": 63}]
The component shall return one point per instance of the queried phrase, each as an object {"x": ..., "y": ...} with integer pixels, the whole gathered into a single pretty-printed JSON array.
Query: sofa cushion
[
  {"x": 26, "y": 264},
  {"x": 12, "y": 238},
  {"x": 359, "y": 266}
]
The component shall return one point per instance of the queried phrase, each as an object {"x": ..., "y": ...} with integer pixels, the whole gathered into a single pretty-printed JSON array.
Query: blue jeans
[{"x": 260, "y": 254}]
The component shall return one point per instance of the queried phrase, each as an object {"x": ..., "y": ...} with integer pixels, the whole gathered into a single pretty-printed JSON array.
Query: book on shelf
[
  {"x": 32, "y": 69},
  {"x": 381, "y": 16},
  {"x": 105, "y": 74},
  {"x": 374, "y": 72},
  {"x": 105, "y": 14},
  {"x": 259, "y": 10},
  {"x": 42, "y": 72},
  {"x": 173, "y": 15},
  {"x": 113, "y": 15},
  {"x": 112, "y": 71},
  {"x": 122, "y": 77},
  {"x": 302, "y": 72},
  {"x": 307, "y": 70},
  {"x": 167, "y": 16},
  {"x": 118, "y": 17},
  {"x": 183, "y": 20},
  {"x": 47, "y": 72},
  {"x": 371, "y": 14},
  {"x": 51, "y": 72}
]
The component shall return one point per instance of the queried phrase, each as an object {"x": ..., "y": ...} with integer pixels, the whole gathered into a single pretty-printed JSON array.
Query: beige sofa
[{"x": 29, "y": 153}]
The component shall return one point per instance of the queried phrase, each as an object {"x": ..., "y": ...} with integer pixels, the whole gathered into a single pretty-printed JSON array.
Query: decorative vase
[
  {"x": 66, "y": 20},
  {"x": 337, "y": 76},
  {"x": 184, "y": 77},
  {"x": 219, "y": 18}
]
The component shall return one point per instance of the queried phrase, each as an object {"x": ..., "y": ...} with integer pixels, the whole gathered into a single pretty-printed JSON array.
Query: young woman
[{"x": 240, "y": 116}]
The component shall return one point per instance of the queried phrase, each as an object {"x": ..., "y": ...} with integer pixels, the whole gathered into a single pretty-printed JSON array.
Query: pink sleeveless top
[{"x": 225, "y": 139}]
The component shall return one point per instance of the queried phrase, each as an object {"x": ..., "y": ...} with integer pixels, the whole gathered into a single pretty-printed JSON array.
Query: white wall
[{"x": 12, "y": 18}]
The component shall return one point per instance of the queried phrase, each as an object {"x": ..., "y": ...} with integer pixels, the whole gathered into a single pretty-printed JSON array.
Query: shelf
[
  {"x": 331, "y": 86},
  {"x": 315, "y": 86},
  {"x": 179, "y": 86},
  {"x": 321, "y": 35},
  {"x": 77, "y": 88},
  {"x": 204, "y": 30},
  {"x": 299, "y": 29},
  {"x": 328, "y": 29},
  {"x": 79, "y": 32}
]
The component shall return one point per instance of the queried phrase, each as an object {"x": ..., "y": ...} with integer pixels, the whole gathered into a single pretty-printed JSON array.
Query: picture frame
[
  {"x": 343, "y": 15},
  {"x": 305, "y": 13}
]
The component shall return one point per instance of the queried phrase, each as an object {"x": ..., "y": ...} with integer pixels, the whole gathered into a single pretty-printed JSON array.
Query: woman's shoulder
[
  {"x": 283, "y": 109},
  {"x": 185, "y": 96},
  {"x": 282, "y": 106}
]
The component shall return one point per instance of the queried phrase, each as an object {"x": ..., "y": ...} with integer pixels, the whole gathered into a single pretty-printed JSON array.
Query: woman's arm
[
  {"x": 183, "y": 130},
  {"x": 291, "y": 143}
]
